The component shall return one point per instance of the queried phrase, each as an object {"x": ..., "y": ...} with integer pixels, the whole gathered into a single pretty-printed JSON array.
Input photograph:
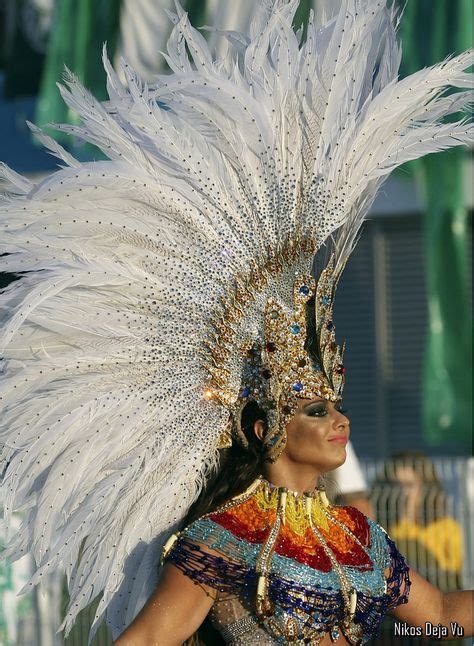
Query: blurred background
[{"x": 403, "y": 306}]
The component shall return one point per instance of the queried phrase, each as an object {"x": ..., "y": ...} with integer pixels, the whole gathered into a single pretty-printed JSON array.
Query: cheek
[
  {"x": 305, "y": 435},
  {"x": 307, "y": 443}
]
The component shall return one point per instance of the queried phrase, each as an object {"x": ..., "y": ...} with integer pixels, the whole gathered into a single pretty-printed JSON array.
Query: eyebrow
[{"x": 314, "y": 401}]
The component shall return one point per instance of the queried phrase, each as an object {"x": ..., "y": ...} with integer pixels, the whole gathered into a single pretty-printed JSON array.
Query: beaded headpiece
[
  {"x": 156, "y": 289},
  {"x": 279, "y": 368}
]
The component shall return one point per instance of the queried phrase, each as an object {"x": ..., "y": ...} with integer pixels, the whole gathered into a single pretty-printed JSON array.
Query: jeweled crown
[{"x": 280, "y": 369}]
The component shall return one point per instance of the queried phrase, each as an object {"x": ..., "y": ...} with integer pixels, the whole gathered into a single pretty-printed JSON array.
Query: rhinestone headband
[{"x": 279, "y": 369}]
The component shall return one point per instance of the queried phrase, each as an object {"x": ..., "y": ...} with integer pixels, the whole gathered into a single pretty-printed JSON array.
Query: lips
[{"x": 340, "y": 439}]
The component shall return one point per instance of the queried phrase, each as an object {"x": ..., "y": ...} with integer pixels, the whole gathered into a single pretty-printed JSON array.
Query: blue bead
[
  {"x": 325, "y": 300},
  {"x": 295, "y": 328},
  {"x": 298, "y": 386},
  {"x": 304, "y": 289}
]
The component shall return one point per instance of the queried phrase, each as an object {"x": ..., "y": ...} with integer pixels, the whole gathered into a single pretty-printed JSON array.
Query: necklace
[
  {"x": 302, "y": 510},
  {"x": 294, "y": 530},
  {"x": 295, "y": 562}
]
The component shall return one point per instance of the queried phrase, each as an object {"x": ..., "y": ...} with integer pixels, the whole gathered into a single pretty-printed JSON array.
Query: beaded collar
[
  {"x": 297, "y": 526},
  {"x": 305, "y": 566}
]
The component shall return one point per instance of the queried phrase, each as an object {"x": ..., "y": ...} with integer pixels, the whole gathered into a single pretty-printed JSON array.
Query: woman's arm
[
  {"x": 428, "y": 605},
  {"x": 172, "y": 614}
]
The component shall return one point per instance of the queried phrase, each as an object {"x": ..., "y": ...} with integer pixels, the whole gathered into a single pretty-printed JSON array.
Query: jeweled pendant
[{"x": 335, "y": 633}]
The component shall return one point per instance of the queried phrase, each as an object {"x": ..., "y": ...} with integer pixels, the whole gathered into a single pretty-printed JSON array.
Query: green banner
[
  {"x": 25, "y": 33},
  {"x": 80, "y": 27},
  {"x": 197, "y": 12},
  {"x": 430, "y": 31}
]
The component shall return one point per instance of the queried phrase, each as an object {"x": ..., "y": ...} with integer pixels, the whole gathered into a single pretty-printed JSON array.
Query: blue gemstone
[
  {"x": 298, "y": 386},
  {"x": 304, "y": 289},
  {"x": 330, "y": 325},
  {"x": 317, "y": 367},
  {"x": 295, "y": 328},
  {"x": 245, "y": 392},
  {"x": 325, "y": 300}
]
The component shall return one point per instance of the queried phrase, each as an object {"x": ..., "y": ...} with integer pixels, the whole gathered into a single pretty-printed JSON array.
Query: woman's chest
[{"x": 239, "y": 626}]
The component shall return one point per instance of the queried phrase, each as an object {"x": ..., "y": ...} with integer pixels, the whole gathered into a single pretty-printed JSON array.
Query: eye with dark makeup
[{"x": 319, "y": 409}]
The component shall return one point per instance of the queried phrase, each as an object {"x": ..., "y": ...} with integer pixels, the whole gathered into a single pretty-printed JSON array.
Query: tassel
[
  {"x": 282, "y": 504},
  {"x": 323, "y": 498},
  {"x": 352, "y": 603},
  {"x": 309, "y": 510},
  {"x": 168, "y": 547},
  {"x": 264, "y": 607},
  {"x": 261, "y": 586}
]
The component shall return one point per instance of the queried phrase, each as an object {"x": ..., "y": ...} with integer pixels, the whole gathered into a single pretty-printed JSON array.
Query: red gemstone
[
  {"x": 341, "y": 370},
  {"x": 270, "y": 347},
  {"x": 266, "y": 374}
]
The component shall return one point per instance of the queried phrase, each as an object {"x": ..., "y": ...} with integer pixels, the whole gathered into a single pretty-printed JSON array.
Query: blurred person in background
[
  {"x": 411, "y": 503},
  {"x": 409, "y": 500}
]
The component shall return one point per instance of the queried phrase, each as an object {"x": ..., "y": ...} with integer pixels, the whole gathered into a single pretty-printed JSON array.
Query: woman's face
[{"x": 317, "y": 435}]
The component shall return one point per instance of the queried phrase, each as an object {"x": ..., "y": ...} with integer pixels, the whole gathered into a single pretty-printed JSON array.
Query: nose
[{"x": 341, "y": 422}]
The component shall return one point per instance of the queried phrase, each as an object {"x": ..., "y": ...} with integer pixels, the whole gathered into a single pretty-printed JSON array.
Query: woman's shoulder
[
  {"x": 208, "y": 554},
  {"x": 373, "y": 535},
  {"x": 214, "y": 532},
  {"x": 357, "y": 522}
]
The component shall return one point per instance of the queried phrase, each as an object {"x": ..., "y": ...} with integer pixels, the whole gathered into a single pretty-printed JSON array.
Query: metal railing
[{"x": 426, "y": 505}]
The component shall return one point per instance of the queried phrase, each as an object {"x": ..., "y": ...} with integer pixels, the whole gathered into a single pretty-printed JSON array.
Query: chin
[{"x": 336, "y": 461}]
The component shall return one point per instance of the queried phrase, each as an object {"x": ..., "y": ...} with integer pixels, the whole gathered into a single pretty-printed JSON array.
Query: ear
[{"x": 259, "y": 429}]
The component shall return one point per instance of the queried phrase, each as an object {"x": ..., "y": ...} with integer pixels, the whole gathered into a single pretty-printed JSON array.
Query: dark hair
[{"x": 238, "y": 468}]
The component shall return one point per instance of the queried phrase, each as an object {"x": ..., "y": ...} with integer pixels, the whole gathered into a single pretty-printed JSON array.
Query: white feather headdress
[{"x": 105, "y": 434}]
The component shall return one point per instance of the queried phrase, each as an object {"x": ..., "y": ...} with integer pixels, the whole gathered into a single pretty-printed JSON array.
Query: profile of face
[{"x": 317, "y": 435}]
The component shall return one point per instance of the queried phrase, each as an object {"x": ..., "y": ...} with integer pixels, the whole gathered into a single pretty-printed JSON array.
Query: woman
[
  {"x": 163, "y": 297},
  {"x": 316, "y": 439}
]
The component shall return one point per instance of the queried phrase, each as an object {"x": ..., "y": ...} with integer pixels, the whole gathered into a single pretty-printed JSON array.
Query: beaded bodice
[{"x": 290, "y": 568}]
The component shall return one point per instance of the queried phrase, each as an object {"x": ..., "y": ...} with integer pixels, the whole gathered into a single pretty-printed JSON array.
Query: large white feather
[{"x": 104, "y": 431}]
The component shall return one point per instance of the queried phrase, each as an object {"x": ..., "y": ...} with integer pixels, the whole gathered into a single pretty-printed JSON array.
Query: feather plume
[{"x": 105, "y": 433}]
